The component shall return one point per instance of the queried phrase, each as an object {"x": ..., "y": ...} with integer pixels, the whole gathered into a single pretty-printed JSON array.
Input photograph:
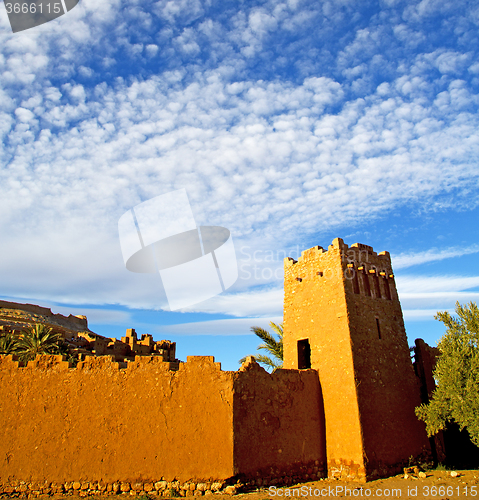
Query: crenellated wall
[
  {"x": 155, "y": 421},
  {"x": 342, "y": 302},
  {"x": 342, "y": 406},
  {"x": 278, "y": 423},
  {"x": 96, "y": 422}
]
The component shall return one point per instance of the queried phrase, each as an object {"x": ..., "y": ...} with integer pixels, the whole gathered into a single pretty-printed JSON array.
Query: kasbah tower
[{"x": 342, "y": 317}]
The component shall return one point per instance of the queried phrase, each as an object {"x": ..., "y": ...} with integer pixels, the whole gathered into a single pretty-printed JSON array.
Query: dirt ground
[{"x": 438, "y": 485}]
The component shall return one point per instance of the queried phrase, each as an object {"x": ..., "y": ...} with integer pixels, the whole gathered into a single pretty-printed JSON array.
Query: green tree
[
  {"x": 8, "y": 343},
  {"x": 38, "y": 339},
  {"x": 456, "y": 397},
  {"x": 271, "y": 344}
]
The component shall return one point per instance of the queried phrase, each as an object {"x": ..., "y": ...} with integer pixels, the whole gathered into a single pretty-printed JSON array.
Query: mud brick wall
[
  {"x": 279, "y": 424},
  {"x": 388, "y": 390},
  {"x": 344, "y": 302},
  {"x": 99, "y": 422},
  {"x": 424, "y": 363},
  {"x": 156, "y": 422},
  {"x": 315, "y": 309}
]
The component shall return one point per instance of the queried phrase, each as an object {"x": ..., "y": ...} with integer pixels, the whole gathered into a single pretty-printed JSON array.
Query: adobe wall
[
  {"x": 279, "y": 424},
  {"x": 425, "y": 359},
  {"x": 150, "y": 421},
  {"x": 388, "y": 390},
  {"x": 315, "y": 309},
  {"x": 344, "y": 300},
  {"x": 43, "y": 311},
  {"x": 156, "y": 420}
]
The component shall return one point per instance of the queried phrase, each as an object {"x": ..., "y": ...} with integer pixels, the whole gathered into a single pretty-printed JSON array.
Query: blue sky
[{"x": 288, "y": 122}]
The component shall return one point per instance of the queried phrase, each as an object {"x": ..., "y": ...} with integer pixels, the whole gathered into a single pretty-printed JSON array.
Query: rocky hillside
[
  {"x": 79, "y": 339},
  {"x": 14, "y": 316}
]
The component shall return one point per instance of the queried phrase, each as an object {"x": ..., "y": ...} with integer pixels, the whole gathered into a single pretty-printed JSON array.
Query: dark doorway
[{"x": 304, "y": 354}]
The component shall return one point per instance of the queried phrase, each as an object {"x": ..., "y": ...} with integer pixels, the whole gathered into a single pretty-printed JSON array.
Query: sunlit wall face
[{"x": 289, "y": 123}]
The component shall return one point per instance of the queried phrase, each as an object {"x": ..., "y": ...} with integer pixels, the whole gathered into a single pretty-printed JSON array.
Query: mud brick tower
[{"x": 342, "y": 317}]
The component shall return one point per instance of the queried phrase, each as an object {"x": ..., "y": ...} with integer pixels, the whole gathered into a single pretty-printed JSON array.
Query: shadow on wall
[
  {"x": 451, "y": 447},
  {"x": 461, "y": 452}
]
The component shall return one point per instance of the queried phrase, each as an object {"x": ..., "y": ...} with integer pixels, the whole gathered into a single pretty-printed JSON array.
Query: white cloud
[
  {"x": 437, "y": 301},
  {"x": 419, "y": 295},
  {"x": 405, "y": 260},
  {"x": 271, "y": 157},
  {"x": 186, "y": 42},
  {"x": 24, "y": 115},
  {"x": 434, "y": 284},
  {"x": 151, "y": 49},
  {"x": 420, "y": 314},
  {"x": 260, "y": 304},
  {"x": 218, "y": 327},
  {"x": 449, "y": 61},
  {"x": 260, "y": 22}
]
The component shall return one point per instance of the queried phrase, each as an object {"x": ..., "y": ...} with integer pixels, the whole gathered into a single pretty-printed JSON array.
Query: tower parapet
[{"x": 342, "y": 317}]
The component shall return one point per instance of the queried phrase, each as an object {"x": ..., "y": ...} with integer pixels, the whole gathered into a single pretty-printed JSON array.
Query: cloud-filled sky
[{"x": 288, "y": 122}]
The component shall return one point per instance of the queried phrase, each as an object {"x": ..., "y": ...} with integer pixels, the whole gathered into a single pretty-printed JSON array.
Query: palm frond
[
  {"x": 271, "y": 344},
  {"x": 38, "y": 339},
  {"x": 268, "y": 362},
  {"x": 274, "y": 346},
  {"x": 277, "y": 328},
  {"x": 8, "y": 343}
]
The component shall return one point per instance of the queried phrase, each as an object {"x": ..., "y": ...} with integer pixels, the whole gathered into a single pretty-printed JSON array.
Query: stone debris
[
  {"x": 414, "y": 472},
  {"x": 150, "y": 489}
]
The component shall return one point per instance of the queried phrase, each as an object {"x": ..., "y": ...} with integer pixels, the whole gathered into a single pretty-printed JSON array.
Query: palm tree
[
  {"x": 38, "y": 339},
  {"x": 8, "y": 343},
  {"x": 271, "y": 344}
]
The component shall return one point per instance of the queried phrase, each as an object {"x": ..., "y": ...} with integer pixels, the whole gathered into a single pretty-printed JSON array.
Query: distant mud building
[
  {"x": 343, "y": 406},
  {"x": 15, "y": 318}
]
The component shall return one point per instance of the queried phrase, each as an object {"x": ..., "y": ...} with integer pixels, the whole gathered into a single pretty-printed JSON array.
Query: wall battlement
[
  {"x": 357, "y": 252},
  {"x": 90, "y": 363},
  {"x": 151, "y": 421},
  {"x": 342, "y": 406},
  {"x": 362, "y": 270},
  {"x": 342, "y": 317}
]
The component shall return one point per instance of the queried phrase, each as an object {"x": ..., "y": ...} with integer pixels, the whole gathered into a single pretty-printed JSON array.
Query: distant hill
[{"x": 16, "y": 317}]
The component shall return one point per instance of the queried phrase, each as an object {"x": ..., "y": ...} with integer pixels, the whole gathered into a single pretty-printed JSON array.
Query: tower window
[
  {"x": 379, "y": 329},
  {"x": 304, "y": 354},
  {"x": 367, "y": 289},
  {"x": 386, "y": 288},
  {"x": 353, "y": 275},
  {"x": 377, "y": 289}
]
